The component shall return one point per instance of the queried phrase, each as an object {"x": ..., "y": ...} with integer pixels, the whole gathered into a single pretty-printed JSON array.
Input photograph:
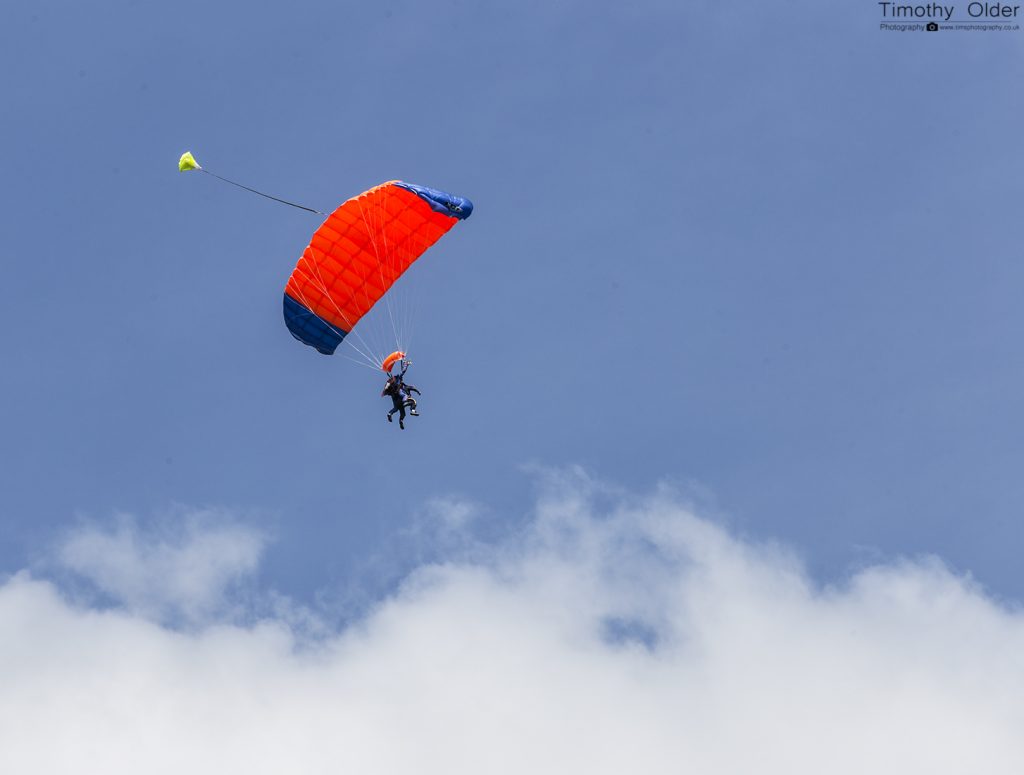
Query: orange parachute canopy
[{"x": 358, "y": 253}]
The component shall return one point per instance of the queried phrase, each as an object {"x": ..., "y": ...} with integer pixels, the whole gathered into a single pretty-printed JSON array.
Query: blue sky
[
  {"x": 765, "y": 252},
  {"x": 791, "y": 284},
  {"x": 741, "y": 289}
]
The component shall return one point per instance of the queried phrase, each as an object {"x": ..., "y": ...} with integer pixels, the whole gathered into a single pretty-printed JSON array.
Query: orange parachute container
[
  {"x": 358, "y": 253},
  {"x": 391, "y": 360}
]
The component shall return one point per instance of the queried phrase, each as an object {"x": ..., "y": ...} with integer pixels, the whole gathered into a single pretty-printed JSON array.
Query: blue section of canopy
[
  {"x": 449, "y": 204},
  {"x": 310, "y": 329}
]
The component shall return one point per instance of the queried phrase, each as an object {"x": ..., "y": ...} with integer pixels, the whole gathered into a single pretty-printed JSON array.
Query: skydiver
[
  {"x": 401, "y": 395},
  {"x": 407, "y": 399},
  {"x": 393, "y": 389}
]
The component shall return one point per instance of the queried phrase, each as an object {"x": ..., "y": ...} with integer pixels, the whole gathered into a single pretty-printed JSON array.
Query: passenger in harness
[{"x": 401, "y": 395}]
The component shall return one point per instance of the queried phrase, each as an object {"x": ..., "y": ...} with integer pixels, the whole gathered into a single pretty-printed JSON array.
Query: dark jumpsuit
[{"x": 400, "y": 393}]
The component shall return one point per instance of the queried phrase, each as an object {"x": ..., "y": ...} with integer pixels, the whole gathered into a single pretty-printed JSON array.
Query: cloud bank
[
  {"x": 180, "y": 570},
  {"x": 612, "y": 634}
]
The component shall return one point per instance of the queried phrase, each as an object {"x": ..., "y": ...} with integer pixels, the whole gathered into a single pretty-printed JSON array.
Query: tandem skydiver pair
[{"x": 352, "y": 261}]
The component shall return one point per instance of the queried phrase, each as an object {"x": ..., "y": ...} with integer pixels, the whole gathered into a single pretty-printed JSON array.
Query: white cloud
[
  {"x": 182, "y": 569},
  {"x": 452, "y": 512},
  {"x": 630, "y": 636}
]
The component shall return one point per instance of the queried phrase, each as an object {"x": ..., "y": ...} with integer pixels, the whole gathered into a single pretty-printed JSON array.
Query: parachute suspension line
[
  {"x": 408, "y": 300},
  {"x": 414, "y": 303},
  {"x": 370, "y": 326},
  {"x": 406, "y": 295},
  {"x": 402, "y": 257},
  {"x": 409, "y": 296},
  {"x": 268, "y": 196},
  {"x": 392, "y": 264},
  {"x": 302, "y": 298},
  {"x": 404, "y": 299},
  {"x": 323, "y": 289},
  {"x": 371, "y": 230},
  {"x": 372, "y": 361},
  {"x": 394, "y": 261},
  {"x": 372, "y": 227},
  {"x": 372, "y": 367},
  {"x": 327, "y": 293}
]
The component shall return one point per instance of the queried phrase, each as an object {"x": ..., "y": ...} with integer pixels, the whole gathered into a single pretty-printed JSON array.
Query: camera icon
[{"x": 932, "y": 26}]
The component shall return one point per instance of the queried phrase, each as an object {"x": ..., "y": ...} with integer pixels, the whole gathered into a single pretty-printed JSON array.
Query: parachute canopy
[{"x": 358, "y": 253}]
